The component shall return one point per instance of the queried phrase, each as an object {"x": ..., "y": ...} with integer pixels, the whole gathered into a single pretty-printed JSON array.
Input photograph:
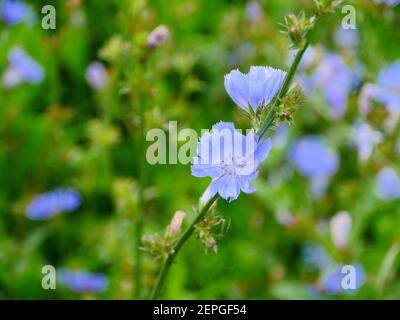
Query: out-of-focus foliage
[{"x": 79, "y": 126}]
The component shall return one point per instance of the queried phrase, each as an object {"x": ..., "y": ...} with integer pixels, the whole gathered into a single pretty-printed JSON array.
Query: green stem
[
  {"x": 387, "y": 266},
  {"x": 141, "y": 206},
  {"x": 286, "y": 84},
  {"x": 170, "y": 259}
]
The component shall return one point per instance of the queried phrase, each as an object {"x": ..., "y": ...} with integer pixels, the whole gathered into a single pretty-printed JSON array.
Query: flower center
[{"x": 232, "y": 164}]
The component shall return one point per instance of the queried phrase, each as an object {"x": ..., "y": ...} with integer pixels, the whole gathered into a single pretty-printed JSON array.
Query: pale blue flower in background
[
  {"x": 310, "y": 58},
  {"x": 388, "y": 2},
  {"x": 332, "y": 77},
  {"x": 158, "y": 36},
  {"x": 315, "y": 160},
  {"x": 335, "y": 79},
  {"x": 281, "y": 136},
  {"x": 14, "y": 11},
  {"x": 256, "y": 88},
  {"x": 365, "y": 138},
  {"x": 46, "y": 205},
  {"x": 21, "y": 68},
  {"x": 387, "y": 89},
  {"x": 318, "y": 185},
  {"x": 387, "y": 185},
  {"x": 332, "y": 283},
  {"x": 96, "y": 75},
  {"x": 230, "y": 159},
  {"x": 340, "y": 227},
  {"x": 312, "y": 157},
  {"x": 285, "y": 218},
  {"x": 315, "y": 257},
  {"x": 243, "y": 52},
  {"x": 82, "y": 281},
  {"x": 253, "y": 11},
  {"x": 347, "y": 39},
  {"x": 306, "y": 83}
]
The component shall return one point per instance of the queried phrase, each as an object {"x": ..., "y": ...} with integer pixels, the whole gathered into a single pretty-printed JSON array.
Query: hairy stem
[
  {"x": 141, "y": 208},
  {"x": 286, "y": 84},
  {"x": 185, "y": 236}
]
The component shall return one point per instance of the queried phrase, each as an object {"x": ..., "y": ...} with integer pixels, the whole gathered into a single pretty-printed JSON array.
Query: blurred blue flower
[
  {"x": 315, "y": 160},
  {"x": 81, "y": 281},
  {"x": 158, "y": 36},
  {"x": 256, "y": 88},
  {"x": 230, "y": 158},
  {"x": 253, "y": 11},
  {"x": 387, "y": 89},
  {"x": 312, "y": 157},
  {"x": 347, "y": 39},
  {"x": 14, "y": 11},
  {"x": 365, "y": 138},
  {"x": 332, "y": 283},
  {"x": 96, "y": 75},
  {"x": 315, "y": 257},
  {"x": 309, "y": 58},
  {"x": 388, "y": 2},
  {"x": 21, "y": 68},
  {"x": 387, "y": 184},
  {"x": 340, "y": 227},
  {"x": 335, "y": 79},
  {"x": 281, "y": 136},
  {"x": 48, "y": 204}
]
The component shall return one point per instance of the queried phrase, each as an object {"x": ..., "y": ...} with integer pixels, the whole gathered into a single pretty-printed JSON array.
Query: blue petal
[
  {"x": 256, "y": 78},
  {"x": 245, "y": 185},
  {"x": 262, "y": 150},
  {"x": 273, "y": 84},
  {"x": 210, "y": 192},
  {"x": 238, "y": 89},
  {"x": 228, "y": 187},
  {"x": 224, "y": 126},
  {"x": 205, "y": 170}
]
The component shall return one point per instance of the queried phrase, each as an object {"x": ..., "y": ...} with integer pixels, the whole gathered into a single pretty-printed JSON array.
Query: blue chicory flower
[
  {"x": 310, "y": 58},
  {"x": 347, "y": 39},
  {"x": 388, "y": 2},
  {"x": 230, "y": 159},
  {"x": 387, "y": 89},
  {"x": 82, "y": 281},
  {"x": 335, "y": 79},
  {"x": 256, "y": 88},
  {"x": 387, "y": 185},
  {"x": 340, "y": 227},
  {"x": 14, "y": 11},
  {"x": 365, "y": 138},
  {"x": 96, "y": 75},
  {"x": 21, "y": 68},
  {"x": 315, "y": 257},
  {"x": 312, "y": 157},
  {"x": 253, "y": 11},
  {"x": 46, "y": 205},
  {"x": 158, "y": 37},
  {"x": 332, "y": 283},
  {"x": 315, "y": 160}
]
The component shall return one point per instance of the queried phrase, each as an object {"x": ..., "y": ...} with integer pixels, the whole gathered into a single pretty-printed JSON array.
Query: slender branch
[
  {"x": 141, "y": 205},
  {"x": 170, "y": 259},
  {"x": 286, "y": 84}
]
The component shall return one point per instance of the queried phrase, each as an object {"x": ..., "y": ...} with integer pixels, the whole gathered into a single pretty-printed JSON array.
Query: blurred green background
[{"x": 63, "y": 132}]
